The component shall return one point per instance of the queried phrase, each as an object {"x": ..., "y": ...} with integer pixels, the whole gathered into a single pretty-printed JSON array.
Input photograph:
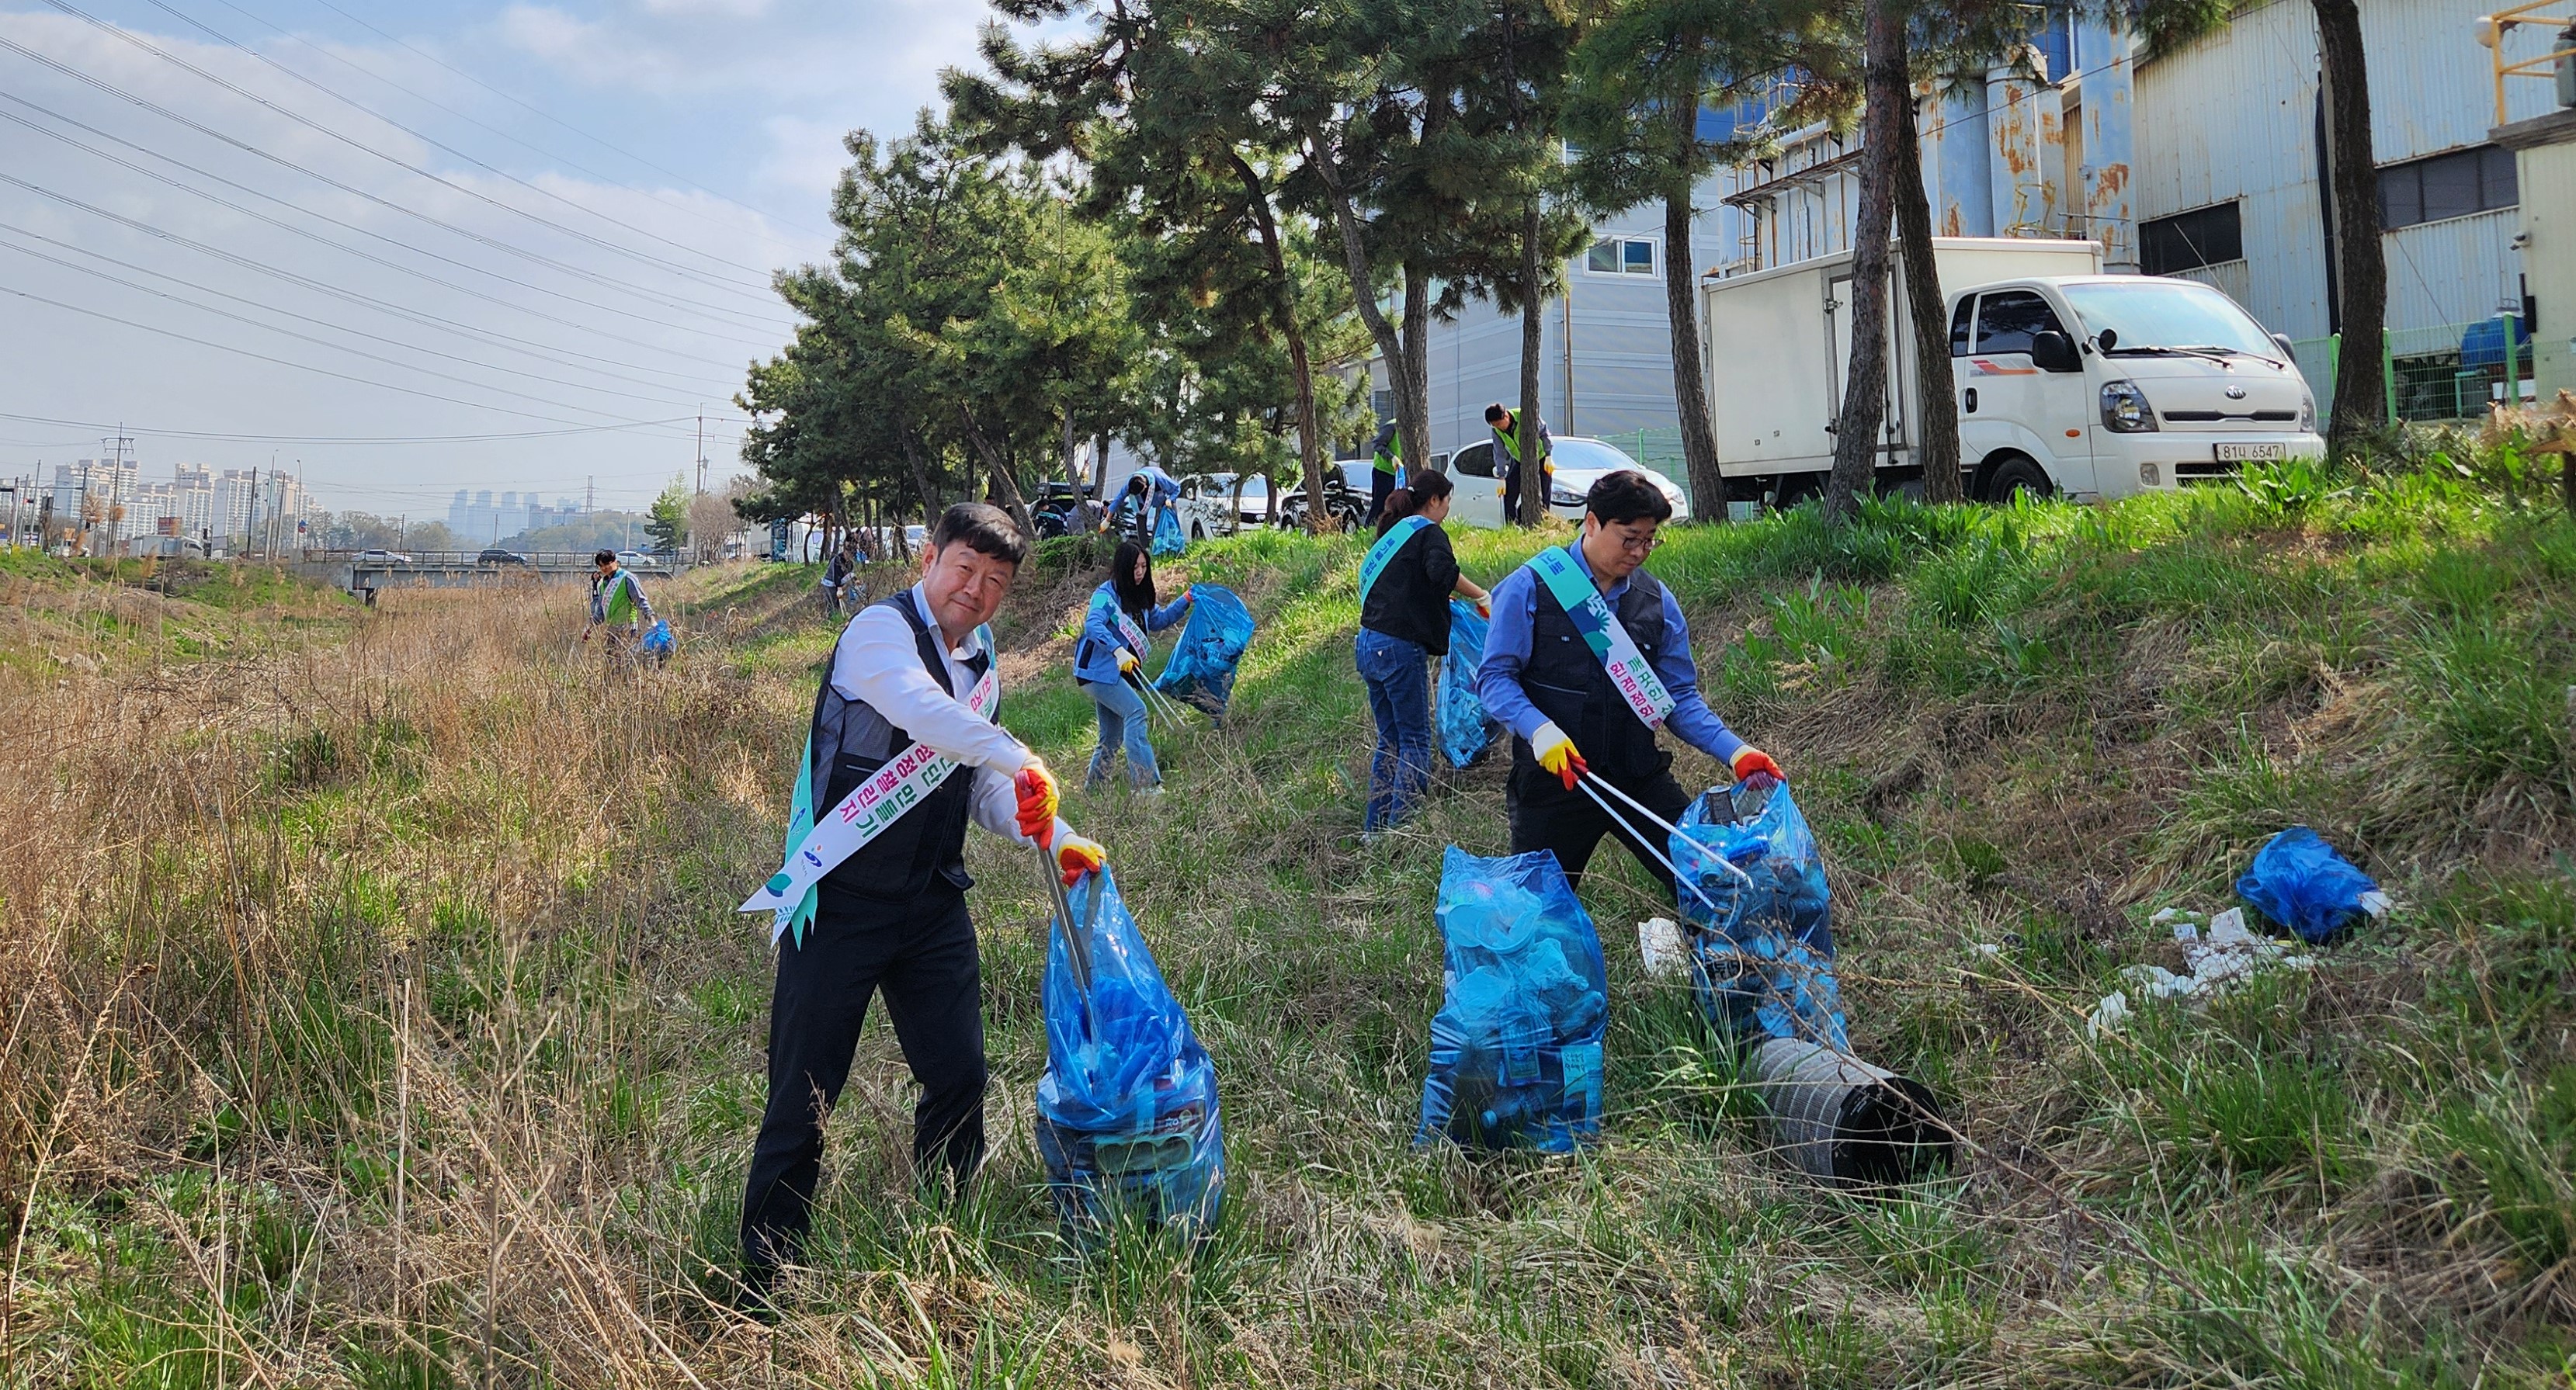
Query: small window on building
[
  {"x": 2009, "y": 319},
  {"x": 1959, "y": 322},
  {"x": 2458, "y": 184},
  {"x": 2190, "y": 240},
  {"x": 1621, "y": 256}
]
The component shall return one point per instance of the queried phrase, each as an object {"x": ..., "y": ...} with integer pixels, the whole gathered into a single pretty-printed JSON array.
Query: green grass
[{"x": 2024, "y": 728}]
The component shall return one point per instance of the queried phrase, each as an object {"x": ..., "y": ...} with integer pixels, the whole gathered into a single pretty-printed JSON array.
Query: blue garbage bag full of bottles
[
  {"x": 1466, "y": 731},
  {"x": 658, "y": 640},
  {"x": 1760, "y": 917},
  {"x": 1516, "y": 1046},
  {"x": 2299, "y": 881},
  {"x": 1168, "y": 537},
  {"x": 1201, "y": 671},
  {"x": 1127, "y": 1123}
]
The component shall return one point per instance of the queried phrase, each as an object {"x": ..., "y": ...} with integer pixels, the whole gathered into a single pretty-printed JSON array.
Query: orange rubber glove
[
  {"x": 1078, "y": 856},
  {"x": 1751, "y": 762},
  {"x": 1038, "y": 798},
  {"x": 1555, "y": 752}
]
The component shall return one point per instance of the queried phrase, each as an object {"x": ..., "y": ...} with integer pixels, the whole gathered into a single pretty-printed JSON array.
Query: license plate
[{"x": 2245, "y": 453}]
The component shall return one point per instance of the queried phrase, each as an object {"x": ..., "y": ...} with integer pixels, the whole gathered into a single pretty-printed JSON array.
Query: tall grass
[{"x": 377, "y": 1015}]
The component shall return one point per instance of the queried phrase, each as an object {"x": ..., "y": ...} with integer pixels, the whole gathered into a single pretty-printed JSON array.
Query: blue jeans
[
  {"x": 1399, "y": 688},
  {"x": 1123, "y": 721}
]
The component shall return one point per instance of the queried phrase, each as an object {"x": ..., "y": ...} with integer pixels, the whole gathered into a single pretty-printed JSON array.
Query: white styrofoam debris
[{"x": 1659, "y": 941}]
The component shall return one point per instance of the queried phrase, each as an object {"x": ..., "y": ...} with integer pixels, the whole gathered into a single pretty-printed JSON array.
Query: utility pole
[
  {"x": 250, "y": 520},
  {"x": 702, "y": 448},
  {"x": 589, "y": 493}
]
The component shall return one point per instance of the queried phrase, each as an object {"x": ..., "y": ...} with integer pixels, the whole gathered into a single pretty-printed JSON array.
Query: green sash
[
  {"x": 1375, "y": 563},
  {"x": 1630, "y": 673}
]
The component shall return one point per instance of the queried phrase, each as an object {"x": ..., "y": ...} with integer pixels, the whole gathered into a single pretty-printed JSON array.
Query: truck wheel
[{"x": 2015, "y": 473}]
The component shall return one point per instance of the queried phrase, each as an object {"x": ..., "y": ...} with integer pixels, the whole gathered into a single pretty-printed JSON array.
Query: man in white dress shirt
[{"x": 892, "y": 916}]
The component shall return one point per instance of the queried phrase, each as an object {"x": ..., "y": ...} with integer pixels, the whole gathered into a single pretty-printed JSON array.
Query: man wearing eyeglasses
[
  {"x": 1589, "y": 651},
  {"x": 617, "y": 602}
]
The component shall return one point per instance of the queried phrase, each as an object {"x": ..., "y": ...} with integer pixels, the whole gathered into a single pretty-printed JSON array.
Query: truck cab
[{"x": 2108, "y": 385}]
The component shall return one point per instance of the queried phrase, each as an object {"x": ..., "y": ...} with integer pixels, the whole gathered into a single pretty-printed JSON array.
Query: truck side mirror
[
  {"x": 2052, "y": 351},
  {"x": 2282, "y": 341}
]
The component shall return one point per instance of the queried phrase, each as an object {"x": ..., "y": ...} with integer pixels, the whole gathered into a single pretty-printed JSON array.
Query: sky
[{"x": 406, "y": 249}]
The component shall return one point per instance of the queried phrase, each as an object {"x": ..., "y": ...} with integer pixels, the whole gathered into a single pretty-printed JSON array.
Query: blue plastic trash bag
[
  {"x": 1127, "y": 1121},
  {"x": 1466, "y": 731},
  {"x": 1168, "y": 538},
  {"x": 1760, "y": 917},
  {"x": 1201, "y": 671},
  {"x": 1516, "y": 1046},
  {"x": 2300, "y": 882},
  {"x": 657, "y": 639}
]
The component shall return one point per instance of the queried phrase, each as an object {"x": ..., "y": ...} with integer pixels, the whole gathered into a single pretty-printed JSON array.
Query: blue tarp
[
  {"x": 1168, "y": 537},
  {"x": 1760, "y": 917},
  {"x": 1127, "y": 1123},
  {"x": 1516, "y": 1046},
  {"x": 2299, "y": 881},
  {"x": 1201, "y": 671},
  {"x": 1465, "y": 729}
]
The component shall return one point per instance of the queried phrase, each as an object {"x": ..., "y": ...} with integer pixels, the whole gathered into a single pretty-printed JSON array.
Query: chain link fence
[{"x": 2447, "y": 371}]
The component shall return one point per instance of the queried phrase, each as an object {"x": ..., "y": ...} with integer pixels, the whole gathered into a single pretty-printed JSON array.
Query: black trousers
[
  {"x": 1549, "y": 817},
  {"x": 1512, "y": 507},
  {"x": 922, "y": 954},
  {"x": 1381, "y": 482}
]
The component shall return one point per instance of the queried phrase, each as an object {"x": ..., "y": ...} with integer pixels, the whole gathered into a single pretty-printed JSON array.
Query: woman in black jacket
[{"x": 1405, "y": 584}]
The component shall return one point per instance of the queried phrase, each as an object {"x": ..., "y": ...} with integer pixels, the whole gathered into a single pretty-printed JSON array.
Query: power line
[
  {"x": 542, "y": 114},
  {"x": 318, "y": 239},
  {"x": 130, "y": 37},
  {"x": 303, "y": 318},
  {"x": 343, "y": 438},
  {"x": 284, "y": 362},
  {"x": 713, "y": 312},
  {"x": 433, "y": 142}
]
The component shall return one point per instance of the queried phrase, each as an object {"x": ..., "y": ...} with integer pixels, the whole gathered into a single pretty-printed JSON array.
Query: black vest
[
  {"x": 1571, "y": 687},
  {"x": 852, "y": 740}
]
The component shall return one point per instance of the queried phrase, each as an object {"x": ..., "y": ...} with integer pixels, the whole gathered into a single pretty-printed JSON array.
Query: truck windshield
[{"x": 2168, "y": 316}]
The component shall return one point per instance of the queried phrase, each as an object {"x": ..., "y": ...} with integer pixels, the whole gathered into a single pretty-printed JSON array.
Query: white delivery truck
[{"x": 2067, "y": 380}]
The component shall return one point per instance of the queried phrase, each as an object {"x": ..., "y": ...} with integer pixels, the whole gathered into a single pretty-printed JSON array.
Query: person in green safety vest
[
  {"x": 617, "y": 602},
  {"x": 1386, "y": 460},
  {"x": 1508, "y": 456}
]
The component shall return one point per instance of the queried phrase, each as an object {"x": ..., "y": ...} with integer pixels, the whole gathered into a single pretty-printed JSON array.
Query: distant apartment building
[{"x": 484, "y": 521}]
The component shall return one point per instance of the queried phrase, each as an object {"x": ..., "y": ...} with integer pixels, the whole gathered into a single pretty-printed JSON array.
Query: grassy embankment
[{"x": 375, "y": 1005}]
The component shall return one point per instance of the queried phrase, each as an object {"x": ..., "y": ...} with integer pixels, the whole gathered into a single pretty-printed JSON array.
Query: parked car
[
  {"x": 1052, "y": 514},
  {"x": 497, "y": 556},
  {"x": 1580, "y": 462},
  {"x": 639, "y": 561},
  {"x": 1253, "y": 509},
  {"x": 381, "y": 557},
  {"x": 1346, "y": 495}
]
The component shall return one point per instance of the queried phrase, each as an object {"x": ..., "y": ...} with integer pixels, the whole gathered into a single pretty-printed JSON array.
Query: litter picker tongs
[
  {"x": 1157, "y": 704},
  {"x": 1589, "y": 779},
  {"x": 1077, "y": 943}
]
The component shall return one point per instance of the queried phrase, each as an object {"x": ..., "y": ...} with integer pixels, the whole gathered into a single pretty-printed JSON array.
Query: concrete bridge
[{"x": 460, "y": 569}]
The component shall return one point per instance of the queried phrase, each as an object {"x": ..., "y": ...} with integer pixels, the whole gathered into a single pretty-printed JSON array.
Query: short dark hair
[
  {"x": 1495, "y": 412},
  {"x": 1627, "y": 495},
  {"x": 604, "y": 557},
  {"x": 985, "y": 529}
]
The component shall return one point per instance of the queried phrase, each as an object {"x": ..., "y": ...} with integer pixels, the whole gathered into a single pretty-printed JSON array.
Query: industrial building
[{"x": 2205, "y": 162}]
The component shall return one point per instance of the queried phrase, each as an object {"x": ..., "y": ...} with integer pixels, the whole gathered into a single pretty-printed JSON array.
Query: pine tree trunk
[
  {"x": 1532, "y": 466},
  {"x": 1301, "y": 371},
  {"x": 1936, "y": 421},
  {"x": 997, "y": 467},
  {"x": 1402, "y": 374},
  {"x": 1857, "y": 433},
  {"x": 1690, "y": 385},
  {"x": 2361, "y": 261},
  {"x": 1415, "y": 429}
]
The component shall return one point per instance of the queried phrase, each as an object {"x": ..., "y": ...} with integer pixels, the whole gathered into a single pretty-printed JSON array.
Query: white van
[
  {"x": 2067, "y": 381},
  {"x": 1477, "y": 498}
]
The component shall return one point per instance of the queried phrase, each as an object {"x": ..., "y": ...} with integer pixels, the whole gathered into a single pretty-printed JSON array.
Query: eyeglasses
[{"x": 1637, "y": 545}]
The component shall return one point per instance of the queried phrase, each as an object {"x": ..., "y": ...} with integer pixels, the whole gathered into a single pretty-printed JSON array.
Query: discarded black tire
[{"x": 1837, "y": 1117}]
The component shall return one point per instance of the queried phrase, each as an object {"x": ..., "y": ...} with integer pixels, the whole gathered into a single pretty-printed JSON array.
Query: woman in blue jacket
[{"x": 1115, "y": 635}]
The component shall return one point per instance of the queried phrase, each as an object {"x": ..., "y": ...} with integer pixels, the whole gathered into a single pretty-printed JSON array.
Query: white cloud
[
  {"x": 591, "y": 51},
  {"x": 722, "y": 9}
]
